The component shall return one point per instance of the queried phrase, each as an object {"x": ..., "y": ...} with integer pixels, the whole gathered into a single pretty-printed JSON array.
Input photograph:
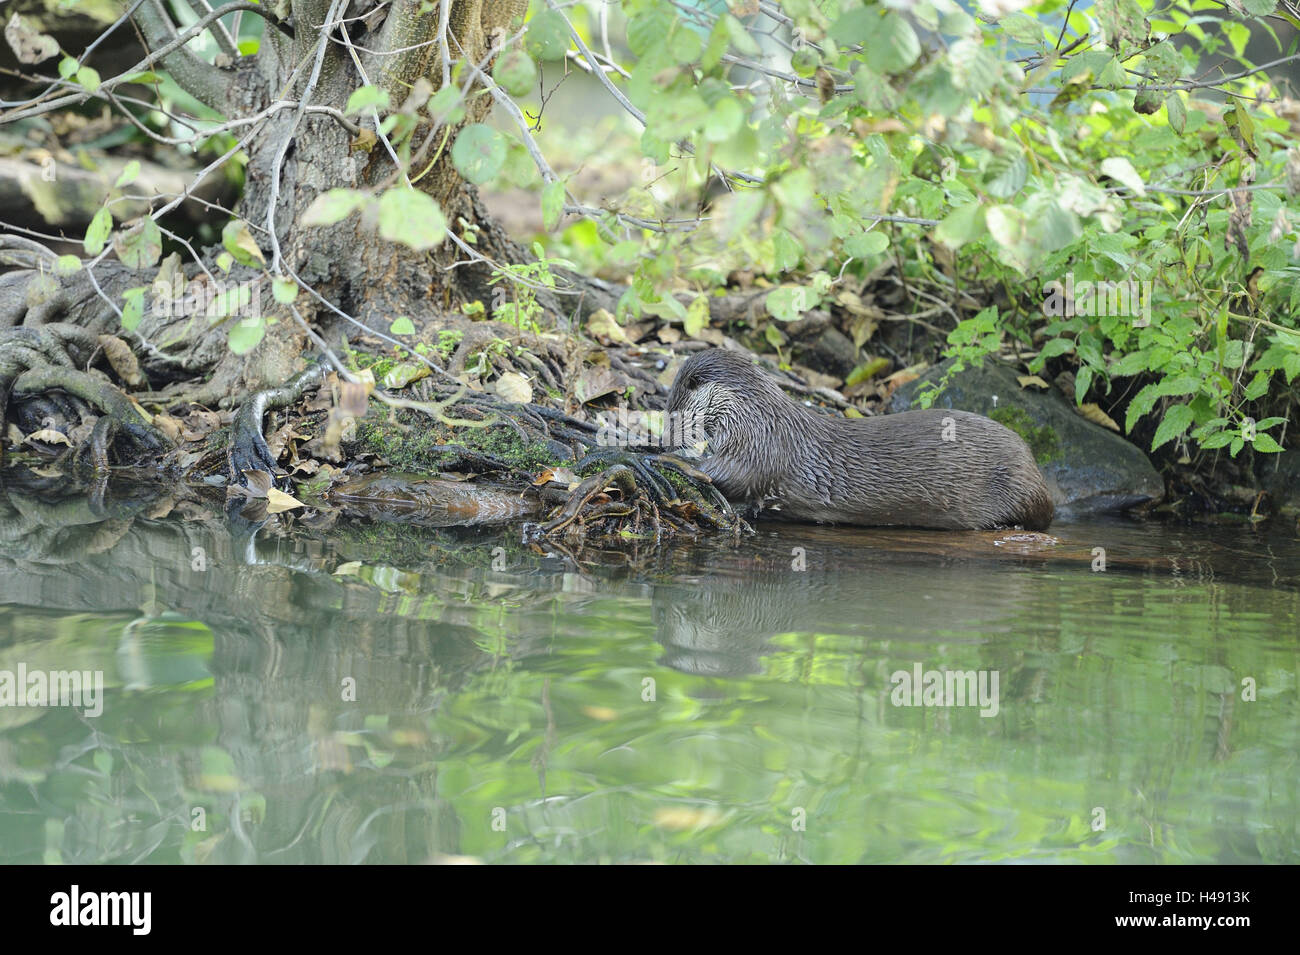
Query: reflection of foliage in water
[{"x": 523, "y": 690}]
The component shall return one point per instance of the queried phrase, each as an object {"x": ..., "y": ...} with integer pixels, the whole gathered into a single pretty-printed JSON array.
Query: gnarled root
[
  {"x": 248, "y": 449},
  {"x": 647, "y": 500}
]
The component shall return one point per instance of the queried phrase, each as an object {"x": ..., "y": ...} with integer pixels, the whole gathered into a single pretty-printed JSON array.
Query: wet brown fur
[{"x": 897, "y": 469}]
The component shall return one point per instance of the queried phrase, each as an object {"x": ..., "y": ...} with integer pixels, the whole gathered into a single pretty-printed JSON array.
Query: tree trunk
[{"x": 374, "y": 280}]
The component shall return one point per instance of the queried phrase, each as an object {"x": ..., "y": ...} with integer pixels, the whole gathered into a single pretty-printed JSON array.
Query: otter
[{"x": 944, "y": 469}]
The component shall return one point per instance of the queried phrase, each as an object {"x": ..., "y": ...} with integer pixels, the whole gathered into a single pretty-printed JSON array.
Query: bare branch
[{"x": 203, "y": 81}]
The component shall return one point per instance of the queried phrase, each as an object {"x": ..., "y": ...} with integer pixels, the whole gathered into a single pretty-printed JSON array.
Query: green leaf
[
  {"x": 1122, "y": 171},
  {"x": 239, "y": 242},
  {"x": 1082, "y": 382},
  {"x": 787, "y": 250},
  {"x": 646, "y": 30},
  {"x": 1177, "y": 112},
  {"x": 853, "y": 28},
  {"x": 1006, "y": 176},
  {"x": 132, "y": 308},
  {"x": 964, "y": 224},
  {"x": 788, "y": 303},
  {"x": 129, "y": 174},
  {"x": 284, "y": 291},
  {"x": 365, "y": 99},
  {"x": 1177, "y": 419},
  {"x": 97, "y": 233},
  {"x": 446, "y": 105},
  {"x": 552, "y": 205},
  {"x": 402, "y": 325},
  {"x": 1265, "y": 443},
  {"x": 141, "y": 246},
  {"x": 1142, "y": 402},
  {"x": 892, "y": 46},
  {"x": 411, "y": 218},
  {"x": 246, "y": 334},
  {"x": 548, "y": 35},
  {"x": 724, "y": 120},
  {"x": 479, "y": 153},
  {"x": 333, "y": 206},
  {"x": 1022, "y": 27},
  {"x": 68, "y": 66},
  {"x": 1056, "y": 346},
  {"x": 697, "y": 315},
  {"x": 1258, "y": 386},
  {"x": 515, "y": 72},
  {"x": 866, "y": 244},
  {"x": 684, "y": 45},
  {"x": 88, "y": 78},
  {"x": 1291, "y": 366},
  {"x": 67, "y": 265}
]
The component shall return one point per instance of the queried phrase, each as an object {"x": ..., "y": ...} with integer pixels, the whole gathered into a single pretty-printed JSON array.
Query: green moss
[
  {"x": 1042, "y": 441},
  {"x": 413, "y": 443}
]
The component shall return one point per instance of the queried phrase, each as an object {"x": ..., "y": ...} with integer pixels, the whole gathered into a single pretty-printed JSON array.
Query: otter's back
[{"x": 934, "y": 468}]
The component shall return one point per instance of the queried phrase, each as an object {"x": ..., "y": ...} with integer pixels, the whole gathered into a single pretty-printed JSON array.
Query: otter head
[{"x": 716, "y": 390}]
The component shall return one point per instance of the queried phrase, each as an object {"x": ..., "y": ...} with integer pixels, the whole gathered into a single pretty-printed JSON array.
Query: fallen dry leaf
[
  {"x": 172, "y": 427},
  {"x": 122, "y": 359},
  {"x": 259, "y": 483},
  {"x": 28, "y": 45},
  {"x": 1094, "y": 414},
  {"x": 603, "y": 327},
  {"x": 48, "y": 436},
  {"x": 512, "y": 386},
  {"x": 1027, "y": 380},
  {"x": 277, "y": 501}
]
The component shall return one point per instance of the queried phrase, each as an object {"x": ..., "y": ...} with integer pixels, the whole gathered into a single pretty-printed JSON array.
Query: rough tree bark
[{"x": 297, "y": 156}]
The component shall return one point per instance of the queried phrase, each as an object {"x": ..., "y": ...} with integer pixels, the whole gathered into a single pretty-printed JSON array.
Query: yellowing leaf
[
  {"x": 239, "y": 242},
  {"x": 603, "y": 327},
  {"x": 1094, "y": 414},
  {"x": 399, "y": 376},
  {"x": 277, "y": 501}
]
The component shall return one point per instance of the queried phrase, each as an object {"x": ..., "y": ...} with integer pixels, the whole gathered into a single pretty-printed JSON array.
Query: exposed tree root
[{"x": 248, "y": 450}]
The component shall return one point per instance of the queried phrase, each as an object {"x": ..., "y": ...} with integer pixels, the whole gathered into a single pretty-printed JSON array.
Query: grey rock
[{"x": 1088, "y": 468}]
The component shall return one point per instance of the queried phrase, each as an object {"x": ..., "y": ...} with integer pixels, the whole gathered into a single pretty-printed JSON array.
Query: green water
[{"x": 718, "y": 701}]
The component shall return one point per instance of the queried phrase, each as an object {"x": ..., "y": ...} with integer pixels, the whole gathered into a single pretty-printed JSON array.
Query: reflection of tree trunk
[{"x": 276, "y": 701}]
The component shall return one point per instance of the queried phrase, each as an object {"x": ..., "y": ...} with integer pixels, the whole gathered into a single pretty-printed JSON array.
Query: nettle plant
[{"x": 1031, "y": 149}]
